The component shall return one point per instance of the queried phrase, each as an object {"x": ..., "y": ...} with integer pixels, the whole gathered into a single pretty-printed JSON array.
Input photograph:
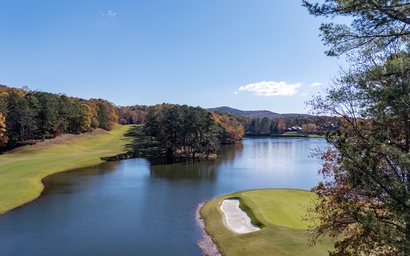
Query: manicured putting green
[
  {"x": 283, "y": 207},
  {"x": 280, "y": 213}
]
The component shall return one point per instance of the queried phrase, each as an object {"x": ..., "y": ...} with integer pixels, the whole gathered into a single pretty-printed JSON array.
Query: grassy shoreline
[
  {"x": 22, "y": 171},
  {"x": 280, "y": 212}
]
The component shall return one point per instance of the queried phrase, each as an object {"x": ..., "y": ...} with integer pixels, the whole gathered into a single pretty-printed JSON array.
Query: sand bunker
[{"x": 235, "y": 218}]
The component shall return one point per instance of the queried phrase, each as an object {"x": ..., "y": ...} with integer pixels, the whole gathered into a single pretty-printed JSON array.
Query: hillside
[{"x": 252, "y": 113}]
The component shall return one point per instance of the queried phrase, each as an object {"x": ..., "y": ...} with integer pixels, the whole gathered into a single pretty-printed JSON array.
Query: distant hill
[{"x": 251, "y": 113}]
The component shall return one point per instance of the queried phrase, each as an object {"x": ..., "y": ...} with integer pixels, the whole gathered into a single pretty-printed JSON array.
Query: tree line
[
  {"x": 278, "y": 125},
  {"x": 132, "y": 114},
  {"x": 27, "y": 116}
]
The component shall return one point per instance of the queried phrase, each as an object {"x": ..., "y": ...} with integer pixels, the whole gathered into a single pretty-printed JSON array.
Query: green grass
[
  {"x": 280, "y": 211},
  {"x": 282, "y": 207},
  {"x": 21, "y": 171},
  {"x": 298, "y": 134}
]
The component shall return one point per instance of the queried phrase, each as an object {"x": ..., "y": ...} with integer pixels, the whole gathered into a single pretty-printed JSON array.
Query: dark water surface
[{"x": 135, "y": 208}]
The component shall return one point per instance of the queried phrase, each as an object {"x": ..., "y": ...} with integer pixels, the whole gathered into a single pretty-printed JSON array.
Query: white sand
[{"x": 235, "y": 218}]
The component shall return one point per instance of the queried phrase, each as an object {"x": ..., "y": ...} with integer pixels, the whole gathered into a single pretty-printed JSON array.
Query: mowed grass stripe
[{"x": 21, "y": 171}]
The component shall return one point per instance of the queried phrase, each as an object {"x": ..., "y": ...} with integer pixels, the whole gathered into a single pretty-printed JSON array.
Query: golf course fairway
[
  {"x": 279, "y": 214},
  {"x": 22, "y": 170}
]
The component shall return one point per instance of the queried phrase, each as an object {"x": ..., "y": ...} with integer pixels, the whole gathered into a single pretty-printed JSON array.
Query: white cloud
[
  {"x": 109, "y": 13},
  {"x": 315, "y": 84},
  {"x": 271, "y": 88}
]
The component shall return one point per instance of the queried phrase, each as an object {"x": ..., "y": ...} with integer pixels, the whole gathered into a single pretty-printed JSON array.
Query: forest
[
  {"x": 364, "y": 198},
  {"x": 187, "y": 131},
  {"x": 27, "y": 117},
  {"x": 306, "y": 124}
]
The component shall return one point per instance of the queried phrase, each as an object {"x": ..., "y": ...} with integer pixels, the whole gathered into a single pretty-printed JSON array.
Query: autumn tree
[
  {"x": 306, "y": 128},
  {"x": 106, "y": 114},
  {"x": 231, "y": 130},
  {"x": 3, "y": 137},
  {"x": 132, "y": 114},
  {"x": 281, "y": 125},
  {"x": 94, "y": 111},
  {"x": 3, "y": 127},
  {"x": 85, "y": 118},
  {"x": 364, "y": 202}
]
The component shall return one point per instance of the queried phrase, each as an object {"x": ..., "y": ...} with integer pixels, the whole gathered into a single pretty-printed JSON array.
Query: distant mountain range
[{"x": 252, "y": 113}]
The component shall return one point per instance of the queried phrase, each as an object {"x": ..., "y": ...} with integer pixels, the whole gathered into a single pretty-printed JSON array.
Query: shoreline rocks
[{"x": 206, "y": 244}]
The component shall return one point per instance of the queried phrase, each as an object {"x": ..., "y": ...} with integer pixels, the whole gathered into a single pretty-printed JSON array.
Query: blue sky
[{"x": 250, "y": 55}]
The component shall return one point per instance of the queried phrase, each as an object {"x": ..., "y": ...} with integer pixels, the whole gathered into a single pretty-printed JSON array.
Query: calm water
[{"x": 134, "y": 208}]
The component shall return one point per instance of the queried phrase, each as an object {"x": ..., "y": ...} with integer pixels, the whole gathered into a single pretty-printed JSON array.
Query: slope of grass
[
  {"x": 279, "y": 210},
  {"x": 282, "y": 207},
  {"x": 22, "y": 170}
]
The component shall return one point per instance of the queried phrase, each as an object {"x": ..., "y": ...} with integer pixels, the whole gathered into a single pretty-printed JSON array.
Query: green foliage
[
  {"x": 366, "y": 197},
  {"x": 48, "y": 113},
  {"x": 278, "y": 125},
  {"x": 375, "y": 26},
  {"x": 182, "y": 131},
  {"x": 31, "y": 116},
  {"x": 365, "y": 200},
  {"x": 3, "y": 138}
]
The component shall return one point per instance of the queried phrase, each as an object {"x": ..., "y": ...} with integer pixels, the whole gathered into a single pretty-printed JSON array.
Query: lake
[{"x": 135, "y": 208}]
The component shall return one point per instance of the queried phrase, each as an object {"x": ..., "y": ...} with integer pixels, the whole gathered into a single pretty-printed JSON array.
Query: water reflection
[
  {"x": 228, "y": 153},
  {"x": 65, "y": 182},
  {"x": 134, "y": 207},
  {"x": 196, "y": 169},
  {"x": 188, "y": 170}
]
